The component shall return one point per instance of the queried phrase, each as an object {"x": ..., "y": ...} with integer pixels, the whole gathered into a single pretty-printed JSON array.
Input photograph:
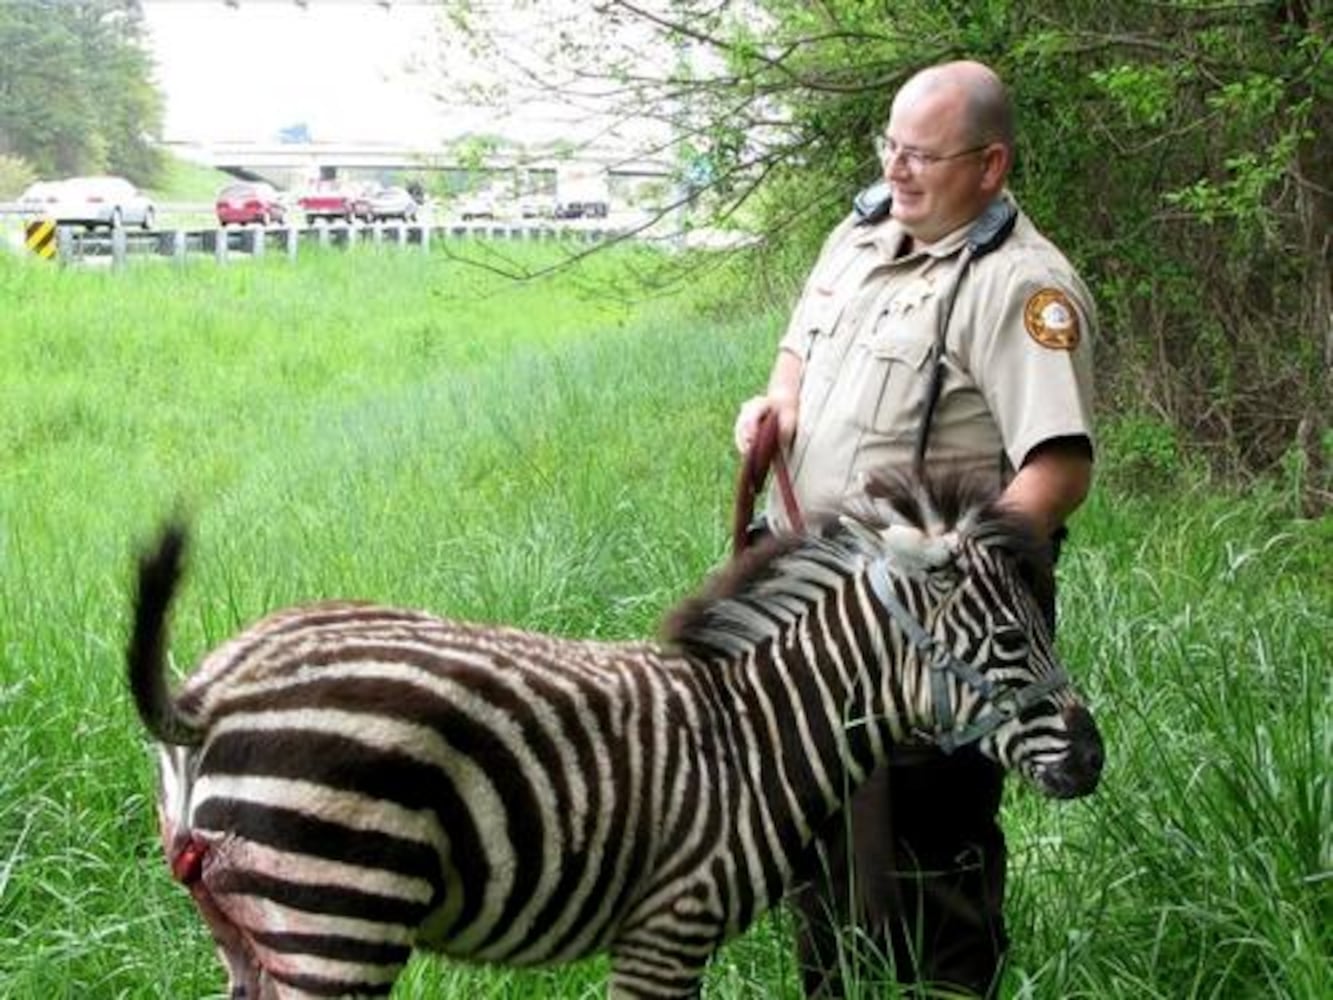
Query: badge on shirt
[
  {"x": 917, "y": 291},
  {"x": 1051, "y": 320}
]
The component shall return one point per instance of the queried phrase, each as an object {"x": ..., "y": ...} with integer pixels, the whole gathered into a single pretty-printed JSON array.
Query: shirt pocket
[
  {"x": 821, "y": 320},
  {"x": 823, "y": 348},
  {"x": 897, "y": 364}
]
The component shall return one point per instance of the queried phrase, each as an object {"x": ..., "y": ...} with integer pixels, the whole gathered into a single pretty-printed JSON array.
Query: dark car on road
[{"x": 247, "y": 202}]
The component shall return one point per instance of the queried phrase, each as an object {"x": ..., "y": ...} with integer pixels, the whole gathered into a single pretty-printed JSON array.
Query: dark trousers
[{"x": 911, "y": 871}]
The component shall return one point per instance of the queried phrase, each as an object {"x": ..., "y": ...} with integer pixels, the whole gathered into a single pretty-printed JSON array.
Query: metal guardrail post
[
  {"x": 119, "y": 247},
  {"x": 64, "y": 244}
]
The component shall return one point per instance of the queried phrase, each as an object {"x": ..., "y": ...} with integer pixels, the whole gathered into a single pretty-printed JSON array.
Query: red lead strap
[{"x": 763, "y": 453}]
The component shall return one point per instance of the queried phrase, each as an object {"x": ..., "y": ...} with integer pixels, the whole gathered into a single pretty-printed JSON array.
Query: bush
[
  {"x": 1139, "y": 454},
  {"x": 15, "y": 175}
]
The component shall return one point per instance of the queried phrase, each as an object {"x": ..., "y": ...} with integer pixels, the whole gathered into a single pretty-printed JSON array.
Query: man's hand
[
  {"x": 753, "y": 410},
  {"x": 747, "y": 421},
  {"x": 784, "y": 387}
]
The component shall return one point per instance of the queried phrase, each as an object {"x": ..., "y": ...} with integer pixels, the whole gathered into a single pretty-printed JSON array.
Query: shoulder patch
[{"x": 1051, "y": 320}]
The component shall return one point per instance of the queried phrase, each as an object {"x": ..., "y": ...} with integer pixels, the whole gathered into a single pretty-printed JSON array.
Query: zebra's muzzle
[{"x": 1080, "y": 769}]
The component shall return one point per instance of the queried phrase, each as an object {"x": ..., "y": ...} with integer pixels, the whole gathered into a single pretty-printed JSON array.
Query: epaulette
[{"x": 873, "y": 203}]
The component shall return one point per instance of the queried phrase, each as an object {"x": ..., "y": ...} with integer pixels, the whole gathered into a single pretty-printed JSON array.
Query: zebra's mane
[{"x": 765, "y": 588}]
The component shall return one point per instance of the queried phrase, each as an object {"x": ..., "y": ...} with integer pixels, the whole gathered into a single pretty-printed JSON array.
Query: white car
[
  {"x": 481, "y": 205},
  {"x": 90, "y": 201},
  {"x": 387, "y": 203}
]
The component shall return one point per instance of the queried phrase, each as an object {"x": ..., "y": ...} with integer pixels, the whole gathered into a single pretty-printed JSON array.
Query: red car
[
  {"x": 333, "y": 200},
  {"x": 246, "y": 202}
]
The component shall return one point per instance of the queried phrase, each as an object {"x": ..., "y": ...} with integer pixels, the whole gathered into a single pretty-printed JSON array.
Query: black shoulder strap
[
  {"x": 991, "y": 229},
  {"x": 873, "y": 203}
]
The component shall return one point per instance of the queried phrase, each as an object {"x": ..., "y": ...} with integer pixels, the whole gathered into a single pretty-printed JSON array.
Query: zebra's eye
[{"x": 1010, "y": 641}]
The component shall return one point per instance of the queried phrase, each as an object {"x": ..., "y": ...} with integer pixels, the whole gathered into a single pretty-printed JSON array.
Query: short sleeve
[{"x": 1033, "y": 363}]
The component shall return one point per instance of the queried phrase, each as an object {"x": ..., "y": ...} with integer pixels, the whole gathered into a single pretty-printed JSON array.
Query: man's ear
[{"x": 996, "y": 160}]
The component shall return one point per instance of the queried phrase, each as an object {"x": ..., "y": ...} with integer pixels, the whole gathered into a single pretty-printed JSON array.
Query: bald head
[
  {"x": 983, "y": 101},
  {"x": 953, "y": 125}
]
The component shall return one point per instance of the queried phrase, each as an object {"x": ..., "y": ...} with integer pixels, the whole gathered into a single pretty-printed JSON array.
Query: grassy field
[
  {"x": 555, "y": 455},
  {"x": 185, "y": 181}
]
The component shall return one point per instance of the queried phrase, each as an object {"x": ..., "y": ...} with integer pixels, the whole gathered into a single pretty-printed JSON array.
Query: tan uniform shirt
[{"x": 1018, "y": 357}]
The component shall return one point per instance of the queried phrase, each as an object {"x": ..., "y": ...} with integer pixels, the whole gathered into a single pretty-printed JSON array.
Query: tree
[{"x": 76, "y": 95}]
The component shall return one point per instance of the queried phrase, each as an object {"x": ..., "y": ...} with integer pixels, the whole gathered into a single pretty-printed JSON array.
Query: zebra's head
[{"x": 970, "y": 587}]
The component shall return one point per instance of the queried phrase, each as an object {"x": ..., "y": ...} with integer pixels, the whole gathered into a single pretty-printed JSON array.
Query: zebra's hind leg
[
  {"x": 294, "y": 952},
  {"x": 639, "y": 979},
  {"x": 243, "y": 973},
  {"x": 658, "y": 967}
]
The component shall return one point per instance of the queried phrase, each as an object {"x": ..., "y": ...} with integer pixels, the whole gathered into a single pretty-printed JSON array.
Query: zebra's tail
[{"x": 160, "y": 571}]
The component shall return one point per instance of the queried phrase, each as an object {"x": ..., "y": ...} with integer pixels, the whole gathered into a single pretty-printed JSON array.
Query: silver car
[
  {"x": 90, "y": 201},
  {"x": 387, "y": 203}
]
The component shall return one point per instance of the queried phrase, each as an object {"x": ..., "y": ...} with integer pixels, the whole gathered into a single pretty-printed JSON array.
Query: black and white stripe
[{"x": 342, "y": 783}]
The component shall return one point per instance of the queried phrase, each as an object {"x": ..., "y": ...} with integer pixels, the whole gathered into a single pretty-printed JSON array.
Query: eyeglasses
[{"x": 916, "y": 160}]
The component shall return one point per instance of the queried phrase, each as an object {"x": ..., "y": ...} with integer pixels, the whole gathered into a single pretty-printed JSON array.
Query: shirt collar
[{"x": 888, "y": 236}]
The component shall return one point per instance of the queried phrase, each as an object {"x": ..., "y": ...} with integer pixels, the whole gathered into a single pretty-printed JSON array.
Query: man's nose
[{"x": 895, "y": 165}]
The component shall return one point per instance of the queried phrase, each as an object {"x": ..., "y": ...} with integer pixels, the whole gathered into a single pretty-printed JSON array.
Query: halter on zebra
[{"x": 341, "y": 783}]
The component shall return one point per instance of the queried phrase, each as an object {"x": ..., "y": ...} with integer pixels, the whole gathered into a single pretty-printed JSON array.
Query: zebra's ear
[{"x": 913, "y": 550}]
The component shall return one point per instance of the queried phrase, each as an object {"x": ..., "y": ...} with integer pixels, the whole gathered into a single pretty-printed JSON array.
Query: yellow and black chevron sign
[{"x": 40, "y": 235}]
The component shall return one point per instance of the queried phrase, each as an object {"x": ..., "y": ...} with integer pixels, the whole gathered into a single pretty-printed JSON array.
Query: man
[{"x": 924, "y": 858}]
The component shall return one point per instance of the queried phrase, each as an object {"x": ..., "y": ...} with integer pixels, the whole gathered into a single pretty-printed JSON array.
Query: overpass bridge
[{"x": 291, "y": 164}]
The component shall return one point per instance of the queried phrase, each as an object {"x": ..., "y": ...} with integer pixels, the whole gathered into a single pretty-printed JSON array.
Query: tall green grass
[
  {"x": 1202, "y": 626},
  {"x": 555, "y": 455}
]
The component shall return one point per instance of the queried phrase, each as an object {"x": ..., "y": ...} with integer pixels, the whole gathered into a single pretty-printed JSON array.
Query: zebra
[{"x": 343, "y": 782}]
